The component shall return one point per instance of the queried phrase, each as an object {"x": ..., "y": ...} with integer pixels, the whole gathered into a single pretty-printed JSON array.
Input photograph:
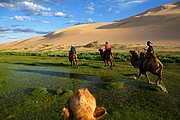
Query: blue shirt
[{"x": 150, "y": 49}]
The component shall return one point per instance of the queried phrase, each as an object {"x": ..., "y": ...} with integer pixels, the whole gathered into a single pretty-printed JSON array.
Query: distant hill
[{"x": 160, "y": 25}]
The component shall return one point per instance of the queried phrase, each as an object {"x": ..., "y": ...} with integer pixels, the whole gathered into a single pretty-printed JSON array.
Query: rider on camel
[
  {"x": 107, "y": 48},
  {"x": 72, "y": 50},
  {"x": 149, "y": 53},
  {"x": 150, "y": 50}
]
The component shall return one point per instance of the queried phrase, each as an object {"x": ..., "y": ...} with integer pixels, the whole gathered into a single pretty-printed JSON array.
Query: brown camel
[
  {"x": 82, "y": 106},
  {"x": 152, "y": 65},
  {"x": 107, "y": 57},
  {"x": 73, "y": 58}
]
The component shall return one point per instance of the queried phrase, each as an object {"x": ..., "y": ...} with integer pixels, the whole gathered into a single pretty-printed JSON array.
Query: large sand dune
[{"x": 160, "y": 25}]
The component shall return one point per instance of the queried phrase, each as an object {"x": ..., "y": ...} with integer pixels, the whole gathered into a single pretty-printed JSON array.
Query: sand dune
[{"x": 160, "y": 25}]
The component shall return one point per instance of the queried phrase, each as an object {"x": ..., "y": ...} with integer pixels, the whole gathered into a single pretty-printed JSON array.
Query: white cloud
[
  {"x": 72, "y": 22},
  {"x": 89, "y": 20},
  {"x": 6, "y": 5},
  {"x": 60, "y": 14},
  {"x": 21, "y": 18},
  {"x": 116, "y": 5},
  {"x": 45, "y": 13},
  {"x": 7, "y": 36},
  {"x": 42, "y": 21},
  {"x": 34, "y": 7},
  {"x": 90, "y": 8},
  {"x": 27, "y": 30},
  {"x": 109, "y": 9},
  {"x": 2, "y": 29}
]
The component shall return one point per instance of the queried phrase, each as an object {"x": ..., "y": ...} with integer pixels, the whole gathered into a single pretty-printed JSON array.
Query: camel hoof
[
  {"x": 136, "y": 78},
  {"x": 151, "y": 83},
  {"x": 158, "y": 83}
]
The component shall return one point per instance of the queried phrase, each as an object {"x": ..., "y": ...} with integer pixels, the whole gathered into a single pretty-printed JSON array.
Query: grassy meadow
[{"x": 37, "y": 86}]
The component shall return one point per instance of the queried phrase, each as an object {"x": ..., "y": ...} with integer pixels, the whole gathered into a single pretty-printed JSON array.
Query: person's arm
[{"x": 151, "y": 49}]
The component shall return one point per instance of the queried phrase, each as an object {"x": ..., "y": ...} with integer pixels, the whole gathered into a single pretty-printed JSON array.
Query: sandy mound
[{"x": 160, "y": 25}]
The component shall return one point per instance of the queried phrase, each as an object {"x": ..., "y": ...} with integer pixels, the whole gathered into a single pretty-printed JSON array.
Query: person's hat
[{"x": 149, "y": 42}]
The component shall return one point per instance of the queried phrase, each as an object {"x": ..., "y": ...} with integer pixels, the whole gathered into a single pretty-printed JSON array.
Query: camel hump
[
  {"x": 154, "y": 55},
  {"x": 82, "y": 101},
  {"x": 134, "y": 52},
  {"x": 73, "y": 52}
]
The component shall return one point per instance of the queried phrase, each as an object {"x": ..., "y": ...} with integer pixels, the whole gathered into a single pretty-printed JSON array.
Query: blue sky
[{"x": 20, "y": 19}]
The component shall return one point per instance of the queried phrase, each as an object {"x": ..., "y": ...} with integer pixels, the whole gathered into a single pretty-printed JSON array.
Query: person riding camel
[
  {"x": 150, "y": 50},
  {"x": 148, "y": 55},
  {"x": 72, "y": 50},
  {"x": 107, "y": 48}
]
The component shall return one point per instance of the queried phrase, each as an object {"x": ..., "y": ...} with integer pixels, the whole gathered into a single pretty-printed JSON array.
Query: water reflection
[
  {"x": 74, "y": 81},
  {"x": 74, "y": 75},
  {"x": 107, "y": 79}
]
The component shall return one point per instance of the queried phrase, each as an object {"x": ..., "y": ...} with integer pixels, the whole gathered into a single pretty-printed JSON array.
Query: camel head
[
  {"x": 82, "y": 106},
  {"x": 135, "y": 57},
  {"x": 101, "y": 51}
]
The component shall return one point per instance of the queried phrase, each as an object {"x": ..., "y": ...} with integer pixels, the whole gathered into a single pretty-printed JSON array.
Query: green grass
[
  {"x": 163, "y": 56},
  {"x": 38, "y": 87}
]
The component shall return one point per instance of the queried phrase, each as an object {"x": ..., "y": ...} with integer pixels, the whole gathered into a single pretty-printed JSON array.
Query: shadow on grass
[
  {"x": 62, "y": 74},
  {"x": 57, "y": 64},
  {"x": 43, "y": 64},
  {"x": 129, "y": 75}
]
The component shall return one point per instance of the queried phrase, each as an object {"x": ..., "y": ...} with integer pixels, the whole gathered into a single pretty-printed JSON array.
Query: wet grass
[{"x": 37, "y": 88}]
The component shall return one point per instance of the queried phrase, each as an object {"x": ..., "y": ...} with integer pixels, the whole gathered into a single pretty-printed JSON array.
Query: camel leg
[
  {"x": 111, "y": 65},
  {"x": 149, "y": 82},
  {"x": 71, "y": 64},
  {"x": 104, "y": 63},
  {"x": 159, "y": 74},
  {"x": 107, "y": 63},
  {"x": 138, "y": 78},
  {"x": 159, "y": 80},
  {"x": 77, "y": 64}
]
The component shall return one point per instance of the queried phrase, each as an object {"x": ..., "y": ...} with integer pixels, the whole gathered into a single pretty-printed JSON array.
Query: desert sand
[{"x": 160, "y": 25}]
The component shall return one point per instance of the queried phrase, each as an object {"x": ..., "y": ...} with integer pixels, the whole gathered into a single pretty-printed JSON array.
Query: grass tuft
[
  {"x": 114, "y": 86},
  {"x": 38, "y": 92}
]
